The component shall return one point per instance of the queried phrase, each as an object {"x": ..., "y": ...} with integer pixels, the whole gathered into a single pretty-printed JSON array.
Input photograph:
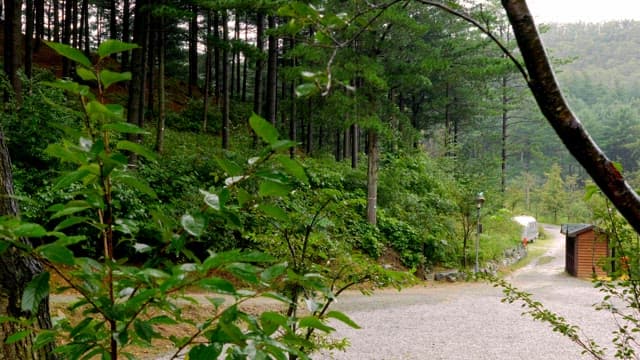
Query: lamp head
[{"x": 479, "y": 200}]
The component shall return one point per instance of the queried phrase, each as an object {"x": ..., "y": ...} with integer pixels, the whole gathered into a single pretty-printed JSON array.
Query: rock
[{"x": 450, "y": 276}]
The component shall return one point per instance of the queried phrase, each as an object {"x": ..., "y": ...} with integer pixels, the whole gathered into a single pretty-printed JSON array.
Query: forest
[{"x": 291, "y": 150}]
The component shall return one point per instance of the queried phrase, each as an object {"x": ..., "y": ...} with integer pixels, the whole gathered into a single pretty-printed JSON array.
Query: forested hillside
[
  {"x": 603, "y": 81},
  {"x": 276, "y": 148}
]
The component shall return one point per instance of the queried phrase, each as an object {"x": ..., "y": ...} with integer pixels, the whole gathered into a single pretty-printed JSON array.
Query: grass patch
[{"x": 535, "y": 250}]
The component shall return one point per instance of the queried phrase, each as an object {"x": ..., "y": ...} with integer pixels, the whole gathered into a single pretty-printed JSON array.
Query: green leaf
[
  {"x": 70, "y": 178},
  {"x": 71, "y": 221},
  {"x": 217, "y": 285},
  {"x": 293, "y": 168},
  {"x": 144, "y": 330},
  {"x": 72, "y": 87},
  {"x": 64, "y": 154},
  {"x": 124, "y": 128},
  {"x": 590, "y": 190},
  {"x": 230, "y": 167},
  {"x": 273, "y": 272},
  {"x": 273, "y": 211},
  {"x": 315, "y": 323},
  {"x": 271, "y": 321},
  {"x": 68, "y": 210},
  {"x": 263, "y": 128},
  {"x": 243, "y": 271},
  {"x": 212, "y": 200},
  {"x": 112, "y": 46},
  {"x": 37, "y": 289},
  {"x": 272, "y": 188},
  {"x": 109, "y": 78},
  {"x": 18, "y": 336},
  {"x": 57, "y": 254},
  {"x": 136, "y": 184},
  {"x": 44, "y": 338},
  {"x": 70, "y": 53},
  {"x": 306, "y": 89},
  {"x": 29, "y": 230},
  {"x": 85, "y": 74},
  {"x": 193, "y": 225},
  {"x": 136, "y": 149},
  {"x": 205, "y": 352},
  {"x": 342, "y": 317},
  {"x": 283, "y": 144}
]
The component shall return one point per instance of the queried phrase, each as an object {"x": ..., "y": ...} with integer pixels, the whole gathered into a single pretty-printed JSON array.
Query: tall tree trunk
[
  {"x": 12, "y": 46},
  {"x": 162, "y": 37},
  {"x": 56, "y": 20},
  {"x": 28, "y": 39},
  {"x": 551, "y": 101},
  {"x": 237, "y": 55},
  {"x": 225, "y": 81},
  {"x": 372, "y": 177},
  {"x": 309, "y": 131},
  {"x": 217, "y": 64},
  {"x": 272, "y": 76},
  {"x": 113, "y": 21},
  {"x": 193, "y": 49},
  {"x": 207, "y": 74},
  {"x": 66, "y": 36},
  {"x": 292, "y": 98},
  {"x": 245, "y": 63},
  {"x": 39, "y": 26},
  {"x": 150, "y": 66},
  {"x": 338, "y": 143},
  {"x": 503, "y": 153},
  {"x": 257, "y": 83},
  {"x": 16, "y": 271},
  {"x": 85, "y": 27},
  {"x": 135, "y": 103},
  {"x": 74, "y": 24},
  {"x": 355, "y": 144},
  {"x": 126, "y": 32}
]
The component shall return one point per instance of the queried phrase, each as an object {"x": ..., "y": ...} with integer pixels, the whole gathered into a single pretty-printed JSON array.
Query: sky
[{"x": 546, "y": 11}]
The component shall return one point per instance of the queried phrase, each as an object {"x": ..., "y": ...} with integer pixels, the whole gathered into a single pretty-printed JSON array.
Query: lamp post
[{"x": 479, "y": 202}]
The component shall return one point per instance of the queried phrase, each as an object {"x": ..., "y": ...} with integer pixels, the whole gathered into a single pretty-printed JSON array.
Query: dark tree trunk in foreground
[
  {"x": 550, "y": 99},
  {"x": 12, "y": 26},
  {"x": 16, "y": 270}
]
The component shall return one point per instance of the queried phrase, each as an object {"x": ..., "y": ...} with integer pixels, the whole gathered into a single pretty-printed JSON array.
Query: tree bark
[
  {"x": 193, "y": 50},
  {"x": 257, "y": 85},
  {"x": 66, "y": 36},
  {"x": 161, "y": 35},
  {"x": 372, "y": 177},
  {"x": 225, "y": 81},
  {"x": 28, "y": 39},
  {"x": 135, "y": 103},
  {"x": 113, "y": 20},
  {"x": 56, "y": 21},
  {"x": 16, "y": 270},
  {"x": 126, "y": 33},
  {"x": 272, "y": 76},
  {"x": 551, "y": 102},
  {"x": 12, "y": 33},
  {"x": 86, "y": 45},
  {"x": 207, "y": 73},
  {"x": 39, "y": 9}
]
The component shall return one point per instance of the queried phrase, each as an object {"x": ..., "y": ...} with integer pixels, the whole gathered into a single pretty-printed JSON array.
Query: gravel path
[{"x": 468, "y": 321}]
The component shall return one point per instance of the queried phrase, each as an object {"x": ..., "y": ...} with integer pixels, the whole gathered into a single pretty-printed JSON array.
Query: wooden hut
[{"x": 585, "y": 249}]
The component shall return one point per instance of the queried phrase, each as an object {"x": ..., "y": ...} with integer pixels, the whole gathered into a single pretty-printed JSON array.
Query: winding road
[{"x": 468, "y": 320}]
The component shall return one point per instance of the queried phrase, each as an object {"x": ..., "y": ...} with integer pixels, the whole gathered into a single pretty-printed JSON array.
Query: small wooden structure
[{"x": 586, "y": 248}]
